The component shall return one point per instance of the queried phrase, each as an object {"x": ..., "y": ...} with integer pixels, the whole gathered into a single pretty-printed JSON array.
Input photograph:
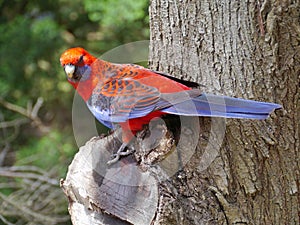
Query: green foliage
[
  {"x": 120, "y": 21},
  {"x": 27, "y": 50},
  {"x": 47, "y": 152},
  {"x": 33, "y": 35},
  {"x": 115, "y": 12}
]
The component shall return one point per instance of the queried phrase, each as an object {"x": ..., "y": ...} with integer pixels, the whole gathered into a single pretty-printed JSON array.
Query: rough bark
[
  {"x": 127, "y": 192},
  {"x": 246, "y": 49},
  {"x": 225, "y": 171},
  {"x": 102, "y": 194}
]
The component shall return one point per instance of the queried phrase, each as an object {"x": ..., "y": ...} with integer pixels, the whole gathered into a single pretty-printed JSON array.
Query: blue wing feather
[
  {"x": 115, "y": 102},
  {"x": 114, "y": 105},
  {"x": 222, "y": 106}
]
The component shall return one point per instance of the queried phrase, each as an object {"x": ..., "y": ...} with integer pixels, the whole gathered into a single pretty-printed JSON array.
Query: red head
[
  {"x": 76, "y": 56},
  {"x": 77, "y": 65}
]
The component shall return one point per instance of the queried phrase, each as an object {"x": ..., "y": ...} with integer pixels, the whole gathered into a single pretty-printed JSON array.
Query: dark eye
[{"x": 80, "y": 59}]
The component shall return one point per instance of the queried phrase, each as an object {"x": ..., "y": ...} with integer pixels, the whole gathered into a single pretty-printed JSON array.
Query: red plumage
[
  {"x": 131, "y": 95},
  {"x": 103, "y": 73}
]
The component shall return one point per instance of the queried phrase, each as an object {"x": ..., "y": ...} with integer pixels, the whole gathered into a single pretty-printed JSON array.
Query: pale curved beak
[{"x": 69, "y": 69}]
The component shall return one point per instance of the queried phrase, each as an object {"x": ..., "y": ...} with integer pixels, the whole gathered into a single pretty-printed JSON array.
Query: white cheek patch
[{"x": 69, "y": 69}]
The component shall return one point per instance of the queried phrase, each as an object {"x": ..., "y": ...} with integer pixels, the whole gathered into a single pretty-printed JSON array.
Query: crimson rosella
[{"x": 131, "y": 95}]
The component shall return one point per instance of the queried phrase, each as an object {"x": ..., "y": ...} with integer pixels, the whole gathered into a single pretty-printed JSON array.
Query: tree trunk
[
  {"x": 247, "y": 49},
  {"x": 225, "y": 171}
]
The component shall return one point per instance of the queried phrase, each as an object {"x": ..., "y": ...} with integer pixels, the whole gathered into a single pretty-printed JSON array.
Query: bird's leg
[
  {"x": 120, "y": 153},
  {"x": 127, "y": 137}
]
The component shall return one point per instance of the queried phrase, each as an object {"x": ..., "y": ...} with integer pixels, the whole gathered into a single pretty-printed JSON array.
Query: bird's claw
[
  {"x": 120, "y": 152},
  {"x": 114, "y": 160}
]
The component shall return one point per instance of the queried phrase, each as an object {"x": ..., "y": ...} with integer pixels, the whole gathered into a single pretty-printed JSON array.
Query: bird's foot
[{"x": 120, "y": 153}]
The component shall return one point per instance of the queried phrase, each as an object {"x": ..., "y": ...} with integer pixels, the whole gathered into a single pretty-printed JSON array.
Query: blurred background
[{"x": 36, "y": 137}]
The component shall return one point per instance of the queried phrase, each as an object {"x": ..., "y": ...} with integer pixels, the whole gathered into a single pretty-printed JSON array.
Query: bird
[{"x": 130, "y": 96}]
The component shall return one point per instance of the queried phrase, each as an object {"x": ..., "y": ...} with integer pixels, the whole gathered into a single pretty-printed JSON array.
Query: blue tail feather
[{"x": 223, "y": 106}]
